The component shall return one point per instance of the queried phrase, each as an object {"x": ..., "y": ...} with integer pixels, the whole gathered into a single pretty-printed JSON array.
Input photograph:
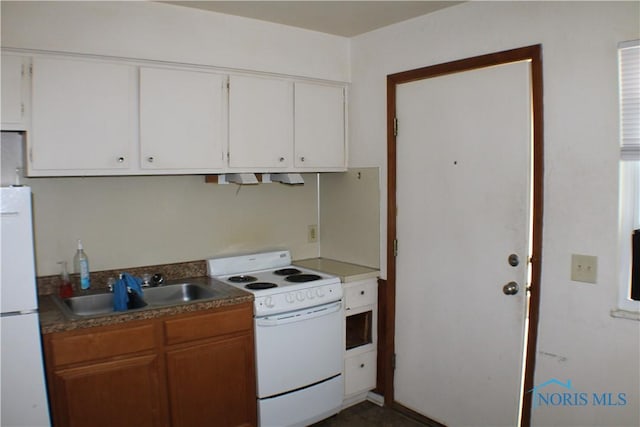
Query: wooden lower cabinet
[
  {"x": 200, "y": 395},
  {"x": 159, "y": 372},
  {"x": 115, "y": 393}
]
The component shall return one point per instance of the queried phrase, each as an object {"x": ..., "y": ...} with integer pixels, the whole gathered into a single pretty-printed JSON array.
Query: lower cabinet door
[
  {"x": 360, "y": 373},
  {"x": 213, "y": 383},
  {"x": 115, "y": 393}
]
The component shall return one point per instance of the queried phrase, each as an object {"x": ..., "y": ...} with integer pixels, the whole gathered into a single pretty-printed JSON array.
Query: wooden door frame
[{"x": 533, "y": 54}]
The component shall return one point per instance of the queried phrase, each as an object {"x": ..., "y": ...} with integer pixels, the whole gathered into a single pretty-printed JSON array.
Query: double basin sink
[{"x": 162, "y": 296}]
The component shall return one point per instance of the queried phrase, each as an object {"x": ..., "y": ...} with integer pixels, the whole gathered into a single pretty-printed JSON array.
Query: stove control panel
[{"x": 297, "y": 299}]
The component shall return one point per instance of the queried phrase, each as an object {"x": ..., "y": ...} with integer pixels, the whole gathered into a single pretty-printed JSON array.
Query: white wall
[
  {"x": 349, "y": 216},
  {"x": 136, "y": 221},
  {"x": 150, "y": 30},
  {"x": 578, "y": 339}
]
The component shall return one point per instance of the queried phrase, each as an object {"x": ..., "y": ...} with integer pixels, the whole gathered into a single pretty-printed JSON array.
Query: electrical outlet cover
[{"x": 312, "y": 236}]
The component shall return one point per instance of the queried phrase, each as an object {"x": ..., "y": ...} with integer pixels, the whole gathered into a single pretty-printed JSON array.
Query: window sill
[{"x": 625, "y": 314}]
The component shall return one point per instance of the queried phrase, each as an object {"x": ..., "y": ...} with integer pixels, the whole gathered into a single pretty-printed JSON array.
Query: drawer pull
[
  {"x": 361, "y": 292},
  {"x": 362, "y": 365}
]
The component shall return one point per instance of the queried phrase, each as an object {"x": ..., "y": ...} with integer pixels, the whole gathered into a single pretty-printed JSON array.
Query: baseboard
[
  {"x": 416, "y": 416},
  {"x": 354, "y": 399},
  {"x": 375, "y": 398}
]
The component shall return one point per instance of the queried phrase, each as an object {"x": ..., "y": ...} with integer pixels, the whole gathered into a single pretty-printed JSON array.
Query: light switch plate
[{"x": 584, "y": 268}]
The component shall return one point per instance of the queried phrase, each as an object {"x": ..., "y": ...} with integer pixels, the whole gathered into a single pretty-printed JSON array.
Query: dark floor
[{"x": 367, "y": 414}]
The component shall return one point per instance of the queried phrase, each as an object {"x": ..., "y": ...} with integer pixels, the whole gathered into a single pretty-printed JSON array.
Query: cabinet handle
[
  {"x": 302, "y": 159},
  {"x": 362, "y": 365},
  {"x": 120, "y": 159},
  {"x": 282, "y": 159},
  {"x": 150, "y": 159},
  {"x": 361, "y": 292}
]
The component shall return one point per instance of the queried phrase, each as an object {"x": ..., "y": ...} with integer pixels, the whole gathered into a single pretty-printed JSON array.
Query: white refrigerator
[{"x": 23, "y": 393}]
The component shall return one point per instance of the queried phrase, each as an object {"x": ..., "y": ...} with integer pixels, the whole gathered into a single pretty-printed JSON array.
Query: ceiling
[{"x": 342, "y": 18}]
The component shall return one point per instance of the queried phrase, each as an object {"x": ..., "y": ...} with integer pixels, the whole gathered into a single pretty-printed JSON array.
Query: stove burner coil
[
  {"x": 287, "y": 271},
  {"x": 300, "y": 278},
  {"x": 241, "y": 279},
  {"x": 260, "y": 285}
]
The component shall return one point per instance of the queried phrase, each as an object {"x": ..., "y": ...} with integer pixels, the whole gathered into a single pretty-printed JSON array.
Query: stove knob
[
  {"x": 269, "y": 302},
  {"x": 319, "y": 292},
  {"x": 300, "y": 296},
  {"x": 289, "y": 298},
  {"x": 310, "y": 294}
]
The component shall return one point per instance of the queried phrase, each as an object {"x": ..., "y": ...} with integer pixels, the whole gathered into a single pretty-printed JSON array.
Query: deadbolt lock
[{"x": 514, "y": 260}]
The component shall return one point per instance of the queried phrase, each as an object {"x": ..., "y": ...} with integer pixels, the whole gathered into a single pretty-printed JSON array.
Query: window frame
[{"x": 629, "y": 191}]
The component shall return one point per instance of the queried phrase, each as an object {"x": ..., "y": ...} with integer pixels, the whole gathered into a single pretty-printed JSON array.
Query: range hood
[
  {"x": 287, "y": 178},
  {"x": 238, "y": 178},
  {"x": 251, "y": 178}
]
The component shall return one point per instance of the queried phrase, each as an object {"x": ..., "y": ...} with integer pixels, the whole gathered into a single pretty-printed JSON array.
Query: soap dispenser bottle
[
  {"x": 66, "y": 289},
  {"x": 81, "y": 267}
]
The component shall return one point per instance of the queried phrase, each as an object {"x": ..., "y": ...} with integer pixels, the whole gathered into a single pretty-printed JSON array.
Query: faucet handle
[
  {"x": 157, "y": 279},
  {"x": 111, "y": 281},
  {"x": 146, "y": 278}
]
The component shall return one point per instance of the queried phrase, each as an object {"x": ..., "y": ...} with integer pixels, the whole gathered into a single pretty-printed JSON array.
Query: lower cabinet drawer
[
  {"x": 359, "y": 294},
  {"x": 220, "y": 322},
  {"x": 360, "y": 373},
  {"x": 100, "y": 343}
]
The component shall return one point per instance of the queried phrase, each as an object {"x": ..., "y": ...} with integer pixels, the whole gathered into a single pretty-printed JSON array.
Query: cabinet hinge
[
  {"x": 30, "y": 69},
  {"x": 22, "y": 109},
  {"x": 395, "y": 247},
  {"x": 393, "y": 362},
  {"x": 395, "y": 126}
]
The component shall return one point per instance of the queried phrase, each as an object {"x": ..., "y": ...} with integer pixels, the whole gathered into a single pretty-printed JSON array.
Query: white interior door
[{"x": 463, "y": 207}]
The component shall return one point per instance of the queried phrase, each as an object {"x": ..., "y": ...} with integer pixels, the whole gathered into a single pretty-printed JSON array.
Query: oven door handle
[{"x": 299, "y": 316}]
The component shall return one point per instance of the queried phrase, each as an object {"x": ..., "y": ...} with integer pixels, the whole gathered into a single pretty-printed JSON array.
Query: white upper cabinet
[
  {"x": 91, "y": 116},
  {"x": 14, "y": 92},
  {"x": 181, "y": 120},
  {"x": 260, "y": 124},
  {"x": 319, "y": 127},
  {"x": 82, "y": 117}
]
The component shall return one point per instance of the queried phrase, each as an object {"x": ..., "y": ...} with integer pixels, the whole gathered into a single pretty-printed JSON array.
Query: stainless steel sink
[
  {"x": 89, "y": 305},
  {"x": 163, "y": 296},
  {"x": 175, "y": 294}
]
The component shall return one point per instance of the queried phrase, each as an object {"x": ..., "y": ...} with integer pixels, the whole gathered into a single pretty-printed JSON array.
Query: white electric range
[{"x": 299, "y": 324}]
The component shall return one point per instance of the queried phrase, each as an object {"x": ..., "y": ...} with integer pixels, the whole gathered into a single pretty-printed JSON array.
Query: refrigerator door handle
[{"x": 18, "y": 313}]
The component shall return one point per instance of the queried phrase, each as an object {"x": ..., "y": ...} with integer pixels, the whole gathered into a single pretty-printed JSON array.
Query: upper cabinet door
[
  {"x": 260, "y": 123},
  {"x": 14, "y": 69},
  {"x": 181, "y": 120},
  {"x": 320, "y": 127},
  {"x": 83, "y": 116}
]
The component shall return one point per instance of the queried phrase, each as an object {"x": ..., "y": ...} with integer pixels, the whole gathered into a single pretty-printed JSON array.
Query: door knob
[{"x": 510, "y": 288}]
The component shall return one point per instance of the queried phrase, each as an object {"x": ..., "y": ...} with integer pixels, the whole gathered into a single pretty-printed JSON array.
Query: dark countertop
[{"x": 52, "y": 319}]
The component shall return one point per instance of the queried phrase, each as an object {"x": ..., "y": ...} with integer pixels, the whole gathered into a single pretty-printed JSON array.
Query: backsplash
[
  {"x": 157, "y": 220},
  {"x": 48, "y": 285}
]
